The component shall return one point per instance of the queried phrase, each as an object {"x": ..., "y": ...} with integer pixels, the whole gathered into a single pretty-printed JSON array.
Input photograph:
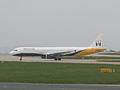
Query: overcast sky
[{"x": 59, "y": 22}]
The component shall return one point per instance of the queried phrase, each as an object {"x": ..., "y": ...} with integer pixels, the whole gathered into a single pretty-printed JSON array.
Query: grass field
[
  {"x": 115, "y": 53},
  {"x": 108, "y": 60},
  {"x": 30, "y": 72},
  {"x": 90, "y": 57}
]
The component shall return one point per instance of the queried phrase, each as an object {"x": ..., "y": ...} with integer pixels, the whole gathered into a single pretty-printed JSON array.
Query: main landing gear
[
  {"x": 59, "y": 59},
  {"x": 20, "y": 58}
]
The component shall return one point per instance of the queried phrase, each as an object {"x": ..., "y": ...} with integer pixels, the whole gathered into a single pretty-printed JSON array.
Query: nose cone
[{"x": 13, "y": 53}]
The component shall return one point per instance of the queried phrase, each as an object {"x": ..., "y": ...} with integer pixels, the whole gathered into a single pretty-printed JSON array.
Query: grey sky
[{"x": 59, "y": 22}]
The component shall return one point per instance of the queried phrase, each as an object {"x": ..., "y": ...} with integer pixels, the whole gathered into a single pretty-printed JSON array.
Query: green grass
[
  {"x": 108, "y": 60},
  {"x": 30, "y": 72},
  {"x": 114, "y": 53},
  {"x": 90, "y": 57}
]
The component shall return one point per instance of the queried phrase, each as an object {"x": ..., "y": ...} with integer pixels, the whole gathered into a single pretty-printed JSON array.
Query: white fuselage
[
  {"x": 61, "y": 51},
  {"x": 45, "y": 50}
]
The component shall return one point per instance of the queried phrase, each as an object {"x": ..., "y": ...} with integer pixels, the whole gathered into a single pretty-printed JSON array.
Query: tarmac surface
[
  {"x": 6, "y": 57},
  {"x": 31, "y": 86}
]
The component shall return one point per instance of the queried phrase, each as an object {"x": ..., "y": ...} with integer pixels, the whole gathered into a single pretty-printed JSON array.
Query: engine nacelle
[{"x": 47, "y": 57}]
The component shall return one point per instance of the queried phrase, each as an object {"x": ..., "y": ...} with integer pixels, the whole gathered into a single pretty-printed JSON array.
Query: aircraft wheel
[
  {"x": 20, "y": 58},
  {"x": 55, "y": 59},
  {"x": 59, "y": 59}
]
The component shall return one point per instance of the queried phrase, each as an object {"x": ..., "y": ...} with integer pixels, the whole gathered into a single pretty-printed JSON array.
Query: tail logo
[{"x": 99, "y": 43}]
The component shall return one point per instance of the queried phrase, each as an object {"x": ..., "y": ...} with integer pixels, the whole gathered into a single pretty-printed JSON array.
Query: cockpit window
[{"x": 15, "y": 50}]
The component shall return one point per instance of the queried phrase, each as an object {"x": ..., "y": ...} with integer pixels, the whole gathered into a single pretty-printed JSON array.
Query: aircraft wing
[{"x": 62, "y": 53}]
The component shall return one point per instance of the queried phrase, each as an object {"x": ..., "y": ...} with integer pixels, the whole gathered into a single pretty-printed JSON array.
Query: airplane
[{"x": 57, "y": 52}]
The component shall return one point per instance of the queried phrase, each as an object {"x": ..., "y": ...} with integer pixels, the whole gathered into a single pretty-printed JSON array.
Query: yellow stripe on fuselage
[{"x": 90, "y": 51}]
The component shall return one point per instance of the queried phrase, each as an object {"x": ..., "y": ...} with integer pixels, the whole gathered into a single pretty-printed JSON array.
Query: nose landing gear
[{"x": 20, "y": 58}]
